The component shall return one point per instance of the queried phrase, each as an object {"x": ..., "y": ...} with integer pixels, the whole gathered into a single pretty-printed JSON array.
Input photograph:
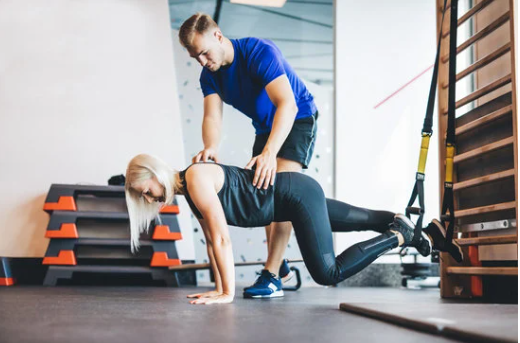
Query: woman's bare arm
[
  {"x": 211, "y": 256},
  {"x": 201, "y": 185}
]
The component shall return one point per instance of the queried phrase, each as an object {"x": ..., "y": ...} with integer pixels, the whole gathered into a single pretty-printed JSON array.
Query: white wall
[
  {"x": 380, "y": 46},
  {"x": 84, "y": 86}
]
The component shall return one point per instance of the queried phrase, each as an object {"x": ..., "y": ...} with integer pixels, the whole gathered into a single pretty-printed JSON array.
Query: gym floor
[{"x": 163, "y": 314}]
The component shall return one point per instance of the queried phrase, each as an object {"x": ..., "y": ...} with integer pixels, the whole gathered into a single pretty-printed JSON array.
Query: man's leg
[
  {"x": 278, "y": 234},
  {"x": 295, "y": 154}
]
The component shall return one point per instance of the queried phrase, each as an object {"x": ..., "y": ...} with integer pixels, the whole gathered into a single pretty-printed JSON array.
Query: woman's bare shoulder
[{"x": 203, "y": 171}]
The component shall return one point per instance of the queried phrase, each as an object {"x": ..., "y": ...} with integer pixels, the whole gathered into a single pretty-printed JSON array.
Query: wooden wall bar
[{"x": 486, "y": 160}]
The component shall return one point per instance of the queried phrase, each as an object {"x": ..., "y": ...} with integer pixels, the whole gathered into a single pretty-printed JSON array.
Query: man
[{"x": 251, "y": 75}]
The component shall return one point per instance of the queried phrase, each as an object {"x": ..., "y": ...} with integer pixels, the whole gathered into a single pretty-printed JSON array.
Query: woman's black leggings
[{"x": 300, "y": 200}]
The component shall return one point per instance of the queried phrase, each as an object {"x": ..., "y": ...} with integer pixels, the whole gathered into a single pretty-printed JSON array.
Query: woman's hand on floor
[
  {"x": 210, "y": 294},
  {"x": 219, "y": 299}
]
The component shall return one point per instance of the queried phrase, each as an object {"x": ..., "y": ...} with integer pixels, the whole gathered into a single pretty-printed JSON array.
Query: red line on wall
[{"x": 403, "y": 87}]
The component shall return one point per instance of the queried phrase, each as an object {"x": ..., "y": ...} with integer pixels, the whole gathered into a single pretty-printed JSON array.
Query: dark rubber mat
[
  {"x": 81, "y": 314},
  {"x": 466, "y": 322}
]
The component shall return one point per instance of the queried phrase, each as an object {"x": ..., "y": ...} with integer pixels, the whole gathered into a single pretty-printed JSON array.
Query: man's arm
[
  {"x": 211, "y": 128},
  {"x": 281, "y": 95}
]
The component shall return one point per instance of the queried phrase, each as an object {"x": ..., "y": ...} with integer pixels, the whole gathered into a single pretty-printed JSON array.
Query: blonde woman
[{"x": 221, "y": 195}]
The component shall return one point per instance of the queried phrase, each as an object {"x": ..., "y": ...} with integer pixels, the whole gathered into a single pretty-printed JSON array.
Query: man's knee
[{"x": 281, "y": 226}]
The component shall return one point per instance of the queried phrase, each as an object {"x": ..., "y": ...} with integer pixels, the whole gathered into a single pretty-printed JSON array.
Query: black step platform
[
  {"x": 70, "y": 197},
  {"x": 68, "y": 251},
  {"x": 55, "y": 273},
  {"x": 67, "y": 224},
  {"x": 6, "y": 276}
]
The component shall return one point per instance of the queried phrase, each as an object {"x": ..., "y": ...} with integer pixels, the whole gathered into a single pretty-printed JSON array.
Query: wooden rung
[
  {"x": 492, "y": 240},
  {"x": 478, "y": 7},
  {"x": 483, "y": 179},
  {"x": 485, "y": 209},
  {"x": 479, "y": 35},
  {"x": 482, "y": 270},
  {"x": 483, "y": 149},
  {"x": 484, "y": 120},
  {"x": 481, "y": 92},
  {"x": 482, "y": 63}
]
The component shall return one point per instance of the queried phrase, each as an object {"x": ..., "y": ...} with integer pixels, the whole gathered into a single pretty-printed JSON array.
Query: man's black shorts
[{"x": 299, "y": 145}]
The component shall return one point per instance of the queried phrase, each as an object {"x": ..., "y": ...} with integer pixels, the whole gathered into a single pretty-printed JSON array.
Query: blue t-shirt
[{"x": 241, "y": 84}]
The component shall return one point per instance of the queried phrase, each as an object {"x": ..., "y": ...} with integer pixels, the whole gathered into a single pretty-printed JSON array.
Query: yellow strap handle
[
  {"x": 425, "y": 143},
  {"x": 450, "y": 153}
]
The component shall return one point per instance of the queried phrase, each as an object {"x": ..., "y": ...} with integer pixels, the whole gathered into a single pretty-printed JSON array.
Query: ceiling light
[{"x": 268, "y": 3}]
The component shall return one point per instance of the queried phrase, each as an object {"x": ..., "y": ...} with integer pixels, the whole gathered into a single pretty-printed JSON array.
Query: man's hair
[{"x": 198, "y": 23}]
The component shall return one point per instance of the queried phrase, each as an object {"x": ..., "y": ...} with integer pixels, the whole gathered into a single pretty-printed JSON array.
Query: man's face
[{"x": 208, "y": 50}]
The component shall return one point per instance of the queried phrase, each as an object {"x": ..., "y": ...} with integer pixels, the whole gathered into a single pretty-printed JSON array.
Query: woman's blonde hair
[
  {"x": 141, "y": 168},
  {"x": 198, "y": 23}
]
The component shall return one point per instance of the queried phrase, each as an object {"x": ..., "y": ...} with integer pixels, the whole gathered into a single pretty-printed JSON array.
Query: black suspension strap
[
  {"x": 448, "y": 213},
  {"x": 418, "y": 189}
]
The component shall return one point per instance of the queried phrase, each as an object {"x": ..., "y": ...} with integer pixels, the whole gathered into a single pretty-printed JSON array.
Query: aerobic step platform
[
  {"x": 62, "y": 197},
  {"x": 66, "y": 224},
  {"x": 81, "y": 251},
  {"x": 89, "y": 230},
  {"x": 6, "y": 277},
  {"x": 55, "y": 273}
]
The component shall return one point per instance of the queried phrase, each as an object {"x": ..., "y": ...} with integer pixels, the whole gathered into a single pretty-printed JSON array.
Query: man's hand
[
  {"x": 206, "y": 155},
  {"x": 265, "y": 172},
  {"x": 219, "y": 299}
]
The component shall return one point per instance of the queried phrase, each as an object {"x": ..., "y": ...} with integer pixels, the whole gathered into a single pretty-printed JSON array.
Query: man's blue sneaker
[
  {"x": 266, "y": 286},
  {"x": 285, "y": 273}
]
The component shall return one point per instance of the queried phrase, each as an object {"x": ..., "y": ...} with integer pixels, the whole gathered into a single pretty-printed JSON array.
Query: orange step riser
[
  {"x": 65, "y": 257},
  {"x": 7, "y": 281},
  {"x": 160, "y": 259},
  {"x": 65, "y": 203},
  {"x": 172, "y": 209},
  {"x": 66, "y": 231},
  {"x": 162, "y": 232}
]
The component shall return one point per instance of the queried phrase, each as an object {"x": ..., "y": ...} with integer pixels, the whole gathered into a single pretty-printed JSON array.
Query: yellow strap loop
[
  {"x": 425, "y": 143},
  {"x": 450, "y": 153}
]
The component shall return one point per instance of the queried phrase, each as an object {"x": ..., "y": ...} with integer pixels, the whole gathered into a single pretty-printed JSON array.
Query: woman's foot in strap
[
  {"x": 437, "y": 234},
  {"x": 406, "y": 228}
]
